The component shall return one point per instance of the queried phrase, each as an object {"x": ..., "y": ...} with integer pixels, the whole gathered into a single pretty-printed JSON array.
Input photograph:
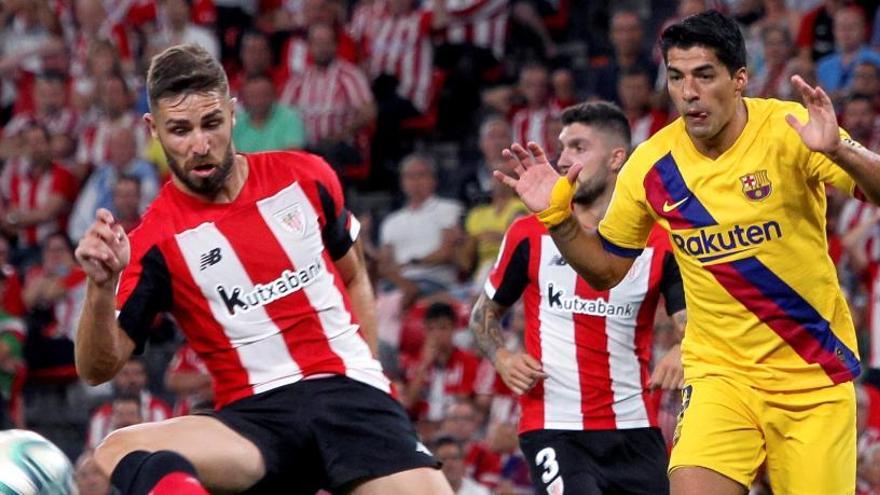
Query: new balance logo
[{"x": 210, "y": 258}]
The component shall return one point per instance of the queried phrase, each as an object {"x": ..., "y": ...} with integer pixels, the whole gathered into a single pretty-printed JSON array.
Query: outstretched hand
[
  {"x": 820, "y": 133},
  {"x": 535, "y": 176}
]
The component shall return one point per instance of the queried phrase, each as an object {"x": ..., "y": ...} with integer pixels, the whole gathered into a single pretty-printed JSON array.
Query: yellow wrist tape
[{"x": 560, "y": 203}]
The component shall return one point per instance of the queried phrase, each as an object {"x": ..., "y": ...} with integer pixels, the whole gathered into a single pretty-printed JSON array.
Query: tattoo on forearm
[
  {"x": 680, "y": 319},
  {"x": 486, "y": 327},
  {"x": 567, "y": 230}
]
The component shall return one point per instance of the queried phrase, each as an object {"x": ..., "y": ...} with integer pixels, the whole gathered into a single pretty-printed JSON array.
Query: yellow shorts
[{"x": 807, "y": 438}]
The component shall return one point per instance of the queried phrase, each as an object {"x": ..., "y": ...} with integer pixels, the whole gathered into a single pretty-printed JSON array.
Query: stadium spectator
[
  {"x": 263, "y": 123},
  {"x": 461, "y": 421},
  {"x": 178, "y": 27},
  {"x": 815, "y": 36},
  {"x": 336, "y": 103},
  {"x": 866, "y": 81},
  {"x": 530, "y": 123},
  {"x": 50, "y": 108},
  {"x": 475, "y": 181},
  {"x": 417, "y": 242},
  {"x": 450, "y": 451},
  {"x": 772, "y": 79},
  {"x": 130, "y": 382},
  {"x": 97, "y": 192},
  {"x": 441, "y": 373},
  {"x": 859, "y": 117},
  {"x": 10, "y": 302},
  {"x": 869, "y": 471},
  {"x": 485, "y": 226},
  {"x": 634, "y": 90},
  {"x": 37, "y": 195},
  {"x": 94, "y": 25},
  {"x": 116, "y": 103},
  {"x": 125, "y": 411},
  {"x": 834, "y": 71},
  {"x": 127, "y": 202},
  {"x": 255, "y": 59},
  {"x": 626, "y": 31},
  {"x": 295, "y": 56}
]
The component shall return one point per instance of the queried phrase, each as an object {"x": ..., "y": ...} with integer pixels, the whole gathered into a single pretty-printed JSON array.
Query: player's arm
[
  {"x": 353, "y": 269},
  {"x": 519, "y": 370},
  {"x": 549, "y": 195},
  {"x": 101, "y": 347},
  {"x": 668, "y": 374},
  {"x": 821, "y": 134}
]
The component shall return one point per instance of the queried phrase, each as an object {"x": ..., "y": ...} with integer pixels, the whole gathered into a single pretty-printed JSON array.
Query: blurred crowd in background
[{"x": 412, "y": 103}]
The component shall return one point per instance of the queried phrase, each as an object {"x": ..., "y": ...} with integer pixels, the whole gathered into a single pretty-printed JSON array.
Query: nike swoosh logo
[{"x": 669, "y": 207}]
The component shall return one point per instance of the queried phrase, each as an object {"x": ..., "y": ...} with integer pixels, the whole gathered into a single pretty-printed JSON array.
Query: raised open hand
[
  {"x": 536, "y": 177},
  {"x": 820, "y": 133}
]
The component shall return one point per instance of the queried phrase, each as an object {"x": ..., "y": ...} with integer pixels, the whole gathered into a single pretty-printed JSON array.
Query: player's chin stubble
[{"x": 209, "y": 185}]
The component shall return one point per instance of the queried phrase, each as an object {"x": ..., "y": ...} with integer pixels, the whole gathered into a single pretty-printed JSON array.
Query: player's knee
[{"x": 116, "y": 446}]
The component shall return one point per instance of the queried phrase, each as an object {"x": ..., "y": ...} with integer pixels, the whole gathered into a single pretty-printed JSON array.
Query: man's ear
[
  {"x": 741, "y": 80},
  {"x": 232, "y": 104},
  {"x": 151, "y": 123},
  {"x": 618, "y": 158}
]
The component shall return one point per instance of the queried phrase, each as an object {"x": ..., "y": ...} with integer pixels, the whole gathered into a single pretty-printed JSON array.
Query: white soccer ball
[{"x": 32, "y": 465}]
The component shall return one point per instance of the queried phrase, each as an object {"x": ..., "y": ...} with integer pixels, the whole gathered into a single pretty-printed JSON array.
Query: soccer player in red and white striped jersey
[
  {"x": 256, "y": 258},
  {"x": 583, "y": 377}
]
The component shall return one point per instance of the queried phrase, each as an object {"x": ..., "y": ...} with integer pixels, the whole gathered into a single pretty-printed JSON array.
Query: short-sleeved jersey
[
  {"x": 252, "y": 283},
  {"x": 748, "y": 231},
  {"x": 594, "y": 345}
]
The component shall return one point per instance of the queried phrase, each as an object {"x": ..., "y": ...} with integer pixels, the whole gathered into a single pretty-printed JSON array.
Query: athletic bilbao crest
[
  {"x": 293, "y": 219},
  {"x": 756, "y": 186}
]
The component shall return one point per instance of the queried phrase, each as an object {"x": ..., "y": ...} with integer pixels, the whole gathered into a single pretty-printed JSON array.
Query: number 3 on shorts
[{"x": 546, "y": 458}]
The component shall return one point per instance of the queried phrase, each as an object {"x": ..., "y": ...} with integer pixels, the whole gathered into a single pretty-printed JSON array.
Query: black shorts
[
  {"x": 597, "y": 462},
  {"x": 326, "y": 433}
]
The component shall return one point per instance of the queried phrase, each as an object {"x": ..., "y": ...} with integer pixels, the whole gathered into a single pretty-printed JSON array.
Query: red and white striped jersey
[
  {"x": 253, "y": 283},
  {"x": 401, "y": 46},
  {"x": 327, "y": 98},
  {"x": 62, "y": 122},
  {"x": 531, "y": 124},
  {"x": 187, "y": 361},
  {"x": 92, "y": 147},
  {"x": 853, "y": 214},
  {"x": 22, "y": 190},
  {"x": 594, "y": 345},
  {"x": 100, "y": 425},
  {"x": 481, "y": 23}
]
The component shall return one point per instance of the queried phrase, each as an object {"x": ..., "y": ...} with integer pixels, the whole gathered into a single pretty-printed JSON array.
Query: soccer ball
[{"x": 32, "y": 465}]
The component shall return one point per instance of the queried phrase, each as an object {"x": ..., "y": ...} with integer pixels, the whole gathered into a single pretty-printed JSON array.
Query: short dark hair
[
  {"x": 127, "y": 397},
  {"x": 182, "y": 70},
  {"x": 710, "y": 29},
  {"x": 603, "y": 115},
  {"x": 440, "y": 310},
  {"x": 858, "y": 97},
  {"x": 445, "y": 440},
  {"x": 129, "y": 178}
]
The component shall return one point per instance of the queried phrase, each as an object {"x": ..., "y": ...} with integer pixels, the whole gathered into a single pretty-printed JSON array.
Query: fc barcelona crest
[{"x": 756, "y": 186}]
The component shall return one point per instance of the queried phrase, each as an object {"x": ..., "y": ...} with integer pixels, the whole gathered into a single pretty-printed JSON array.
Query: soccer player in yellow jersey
[{"x": 739, "y": 184}]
